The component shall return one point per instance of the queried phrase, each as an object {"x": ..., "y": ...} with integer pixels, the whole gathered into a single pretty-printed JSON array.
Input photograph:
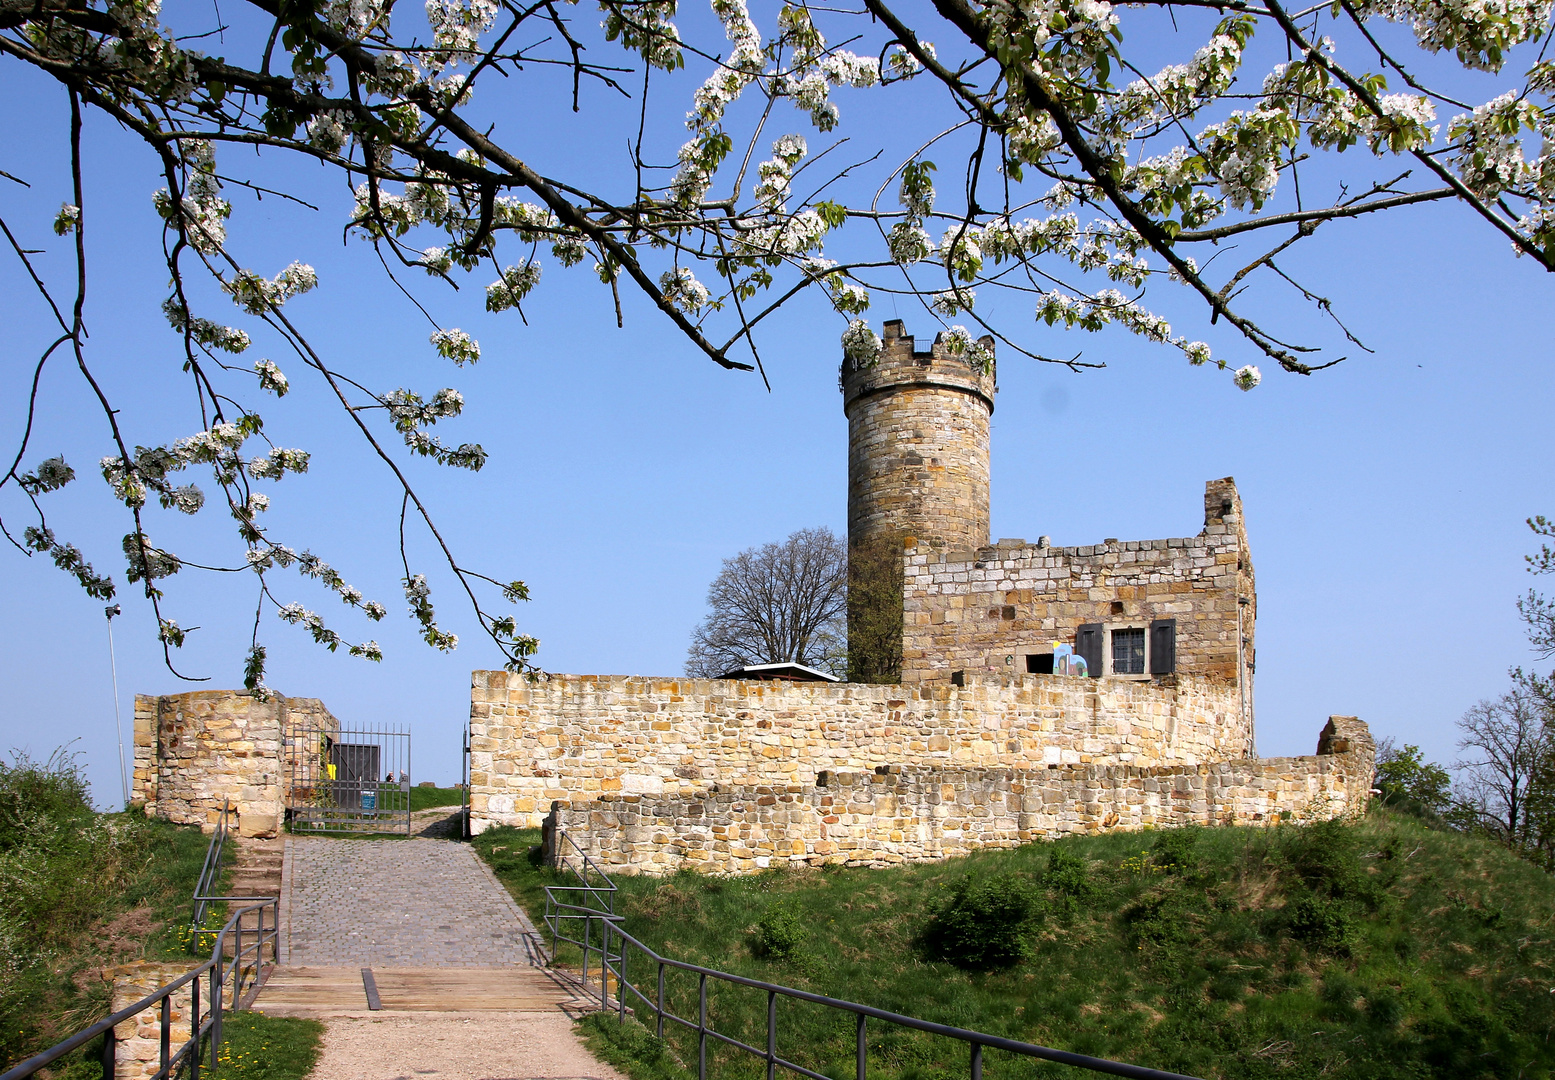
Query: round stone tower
[{"x": 918, "y": 445}]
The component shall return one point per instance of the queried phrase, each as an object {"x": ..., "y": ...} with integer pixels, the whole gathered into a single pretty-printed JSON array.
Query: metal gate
[{"x": 353, "y": 780}]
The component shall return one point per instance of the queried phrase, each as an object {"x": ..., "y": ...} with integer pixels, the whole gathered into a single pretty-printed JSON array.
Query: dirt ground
[{"x": 457, "y": 1046}]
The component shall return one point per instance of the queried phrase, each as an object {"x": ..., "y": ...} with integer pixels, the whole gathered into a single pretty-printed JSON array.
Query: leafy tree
[
  {"x": 776, "y": 603},
  {"x": 875, "y": 581},
  {"x": 1079, "y": 177},
  {"x": 1409, "y": 782}
]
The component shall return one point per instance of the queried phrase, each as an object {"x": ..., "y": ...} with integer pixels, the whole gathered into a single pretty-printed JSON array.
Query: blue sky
[{"x": 1385, "y": 498}]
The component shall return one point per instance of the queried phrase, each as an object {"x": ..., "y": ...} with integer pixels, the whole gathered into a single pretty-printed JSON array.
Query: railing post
[
  {"x": 109, "y": 1054},
  {"x": 604, "y": 966},
  {"x": 977, "y": 1061},
  {"x": 194, "y": 1028},
  {"x": 863, "y": 1046},
  {"x": 621, "y": 979},
  {"x": 702, "y": 1026},
  {"x": 588, "y": 931},
  {"x": 659, "y": 1028},
  {"x": 771, "y": 1032},
  {"x": 166, "y": 1033},
  {"x": 216, "y": 985}
]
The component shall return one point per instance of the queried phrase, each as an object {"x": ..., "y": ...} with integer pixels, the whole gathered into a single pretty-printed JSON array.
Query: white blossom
[
  {"x": 909, "y": 243},
  {"x": 512, "y": 286},
  {"x": 271, "y": 377},
  {"x": 454, "y": 344},
  {"x": 1247, "y": 377},
  {"x": 860, "y": 344},
  {"x": 951, "y": 303},
  {"x": 681, "y": 288},
  {"x": 256, "y": 295}
]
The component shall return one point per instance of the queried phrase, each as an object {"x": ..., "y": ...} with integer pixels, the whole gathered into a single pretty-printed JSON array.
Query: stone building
[
  {"x": 195, "y": 752},
  {"x": 1043, "y": 690}
]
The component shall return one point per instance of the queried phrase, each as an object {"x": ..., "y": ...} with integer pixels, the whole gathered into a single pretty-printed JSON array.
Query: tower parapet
[{"x": 918, "y": 444}]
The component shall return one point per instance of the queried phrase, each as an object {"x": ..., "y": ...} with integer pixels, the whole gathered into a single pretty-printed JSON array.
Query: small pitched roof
[{"x": 787, "y": 670}]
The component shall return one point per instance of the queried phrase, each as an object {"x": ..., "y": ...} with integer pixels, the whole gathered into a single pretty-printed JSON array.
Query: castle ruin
[{"x": 1042, "y": 690}]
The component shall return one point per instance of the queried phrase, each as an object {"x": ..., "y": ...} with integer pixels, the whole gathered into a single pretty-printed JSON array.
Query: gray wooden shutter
[
  {"x": 1163, "y": 646},
  {"x": 1088, "y": 644}
]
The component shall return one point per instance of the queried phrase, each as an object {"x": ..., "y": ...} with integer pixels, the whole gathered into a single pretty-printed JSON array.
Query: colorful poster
[{"x": 1067, "y": 662}]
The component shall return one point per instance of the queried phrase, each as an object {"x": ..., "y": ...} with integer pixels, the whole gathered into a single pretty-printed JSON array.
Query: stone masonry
[
  {"x": 138, "y": 1040},
  {"x": 916, "y": 813},
  {"x": 193, "y": 751},
  {"x": 969, "y": 610},
  {"x": 570, "y": 737},
  {"x": 918, "y": 445}
]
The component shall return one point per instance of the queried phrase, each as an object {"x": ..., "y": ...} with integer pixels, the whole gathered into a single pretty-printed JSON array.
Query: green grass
[
  {"x": 259, "y": 1047},
  {"x": 427, "y": 798},
  {"x": 1378, "y": 950}
]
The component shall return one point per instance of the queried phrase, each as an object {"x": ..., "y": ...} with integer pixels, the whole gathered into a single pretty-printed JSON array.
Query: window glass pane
[{"x": 1128, "y": 652}]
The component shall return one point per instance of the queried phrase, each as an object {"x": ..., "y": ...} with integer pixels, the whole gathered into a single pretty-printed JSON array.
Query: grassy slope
[
  {"x": 427, "y": 798},
  {"x": 61, "y": 991},
  {"x": 148, "y": 920},
  {"x": 1382, "y": 949}
]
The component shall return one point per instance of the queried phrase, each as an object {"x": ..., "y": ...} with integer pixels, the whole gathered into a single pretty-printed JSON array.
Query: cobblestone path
[{"x": 413, "y": 902}]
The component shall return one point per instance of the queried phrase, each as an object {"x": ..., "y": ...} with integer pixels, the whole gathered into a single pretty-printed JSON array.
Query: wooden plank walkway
[{"x": 342, "y": 991}]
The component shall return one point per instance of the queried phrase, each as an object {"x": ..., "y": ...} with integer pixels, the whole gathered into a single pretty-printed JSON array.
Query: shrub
[
  {"x": 1325, "y": 856},
  {"x": 1321, "y": 922},
  {"x": 1157, "y": 919},
  {"x": 983, "y": 925},
  {"x": 33, "y": 794},
  {"x": 1176, "y": 850},
  {"x": 779, "y": 932},
  {"x": 1068, "y": 873}
]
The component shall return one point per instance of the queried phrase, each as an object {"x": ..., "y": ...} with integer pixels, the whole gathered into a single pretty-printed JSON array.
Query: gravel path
[
  {"x": 486, "y": 1046},
  {"x": 414, "y": 902}
]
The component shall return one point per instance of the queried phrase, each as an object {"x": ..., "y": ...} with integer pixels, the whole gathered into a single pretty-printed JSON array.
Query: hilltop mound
[{"x": 1368, "y": 950}]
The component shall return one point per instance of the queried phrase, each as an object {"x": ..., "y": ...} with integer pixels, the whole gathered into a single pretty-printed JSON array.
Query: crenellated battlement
[{"x": 901, "y": 365}]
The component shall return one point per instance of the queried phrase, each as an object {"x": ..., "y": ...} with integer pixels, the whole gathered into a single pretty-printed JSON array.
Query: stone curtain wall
[
  {"x": 192, "y": 751},
  {"x": 920, "y": 813},
  {"x": 967, "y": 611},
  {"x": 574, "y": 736}
]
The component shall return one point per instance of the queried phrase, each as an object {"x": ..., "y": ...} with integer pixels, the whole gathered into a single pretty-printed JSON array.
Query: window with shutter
[
  {"x": 1163, "y": 646},
  {"x": 1088, "y": 643}
]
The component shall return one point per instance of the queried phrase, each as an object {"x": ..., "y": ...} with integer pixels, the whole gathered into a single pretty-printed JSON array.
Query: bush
[
  {"x": 1067, "y": 873},
  {"x": 779, "y": 932},
  {"x": 983, "y": 925},
  {"x": 1176, "y": 850},
  {"x": 1321, "y": 922},
  {"x": 1326, "y": 857}
]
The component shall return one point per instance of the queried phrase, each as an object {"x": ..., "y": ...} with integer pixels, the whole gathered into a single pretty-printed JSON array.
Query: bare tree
[
  {"x": 1508, "y": 739},
  {"x": 1537, "y": 610},
  {"x": 775, "y": 603}
]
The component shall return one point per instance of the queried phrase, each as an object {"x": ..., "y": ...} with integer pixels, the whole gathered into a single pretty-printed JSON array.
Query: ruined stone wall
[
  {"x": 968, "y": 611},
  {"x": 574, "y": 736},
  {"x": 919, "y": 813},
  {"x": 918, "y": 445},
  {"x": 138, "y": 1040},
  {"x": 195, "y": 750}
]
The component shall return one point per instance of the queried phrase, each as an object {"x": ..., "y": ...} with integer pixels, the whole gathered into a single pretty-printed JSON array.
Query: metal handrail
[
  {"x": 210, "y": 873},
  {"x": 604, "y": 895},
  {"x": 170, "y": 1060},
  {"x": 557, "y": 911}
]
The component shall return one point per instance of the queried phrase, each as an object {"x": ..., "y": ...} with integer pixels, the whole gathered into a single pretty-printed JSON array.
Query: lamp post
[{"x": 124, "y": 782}]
